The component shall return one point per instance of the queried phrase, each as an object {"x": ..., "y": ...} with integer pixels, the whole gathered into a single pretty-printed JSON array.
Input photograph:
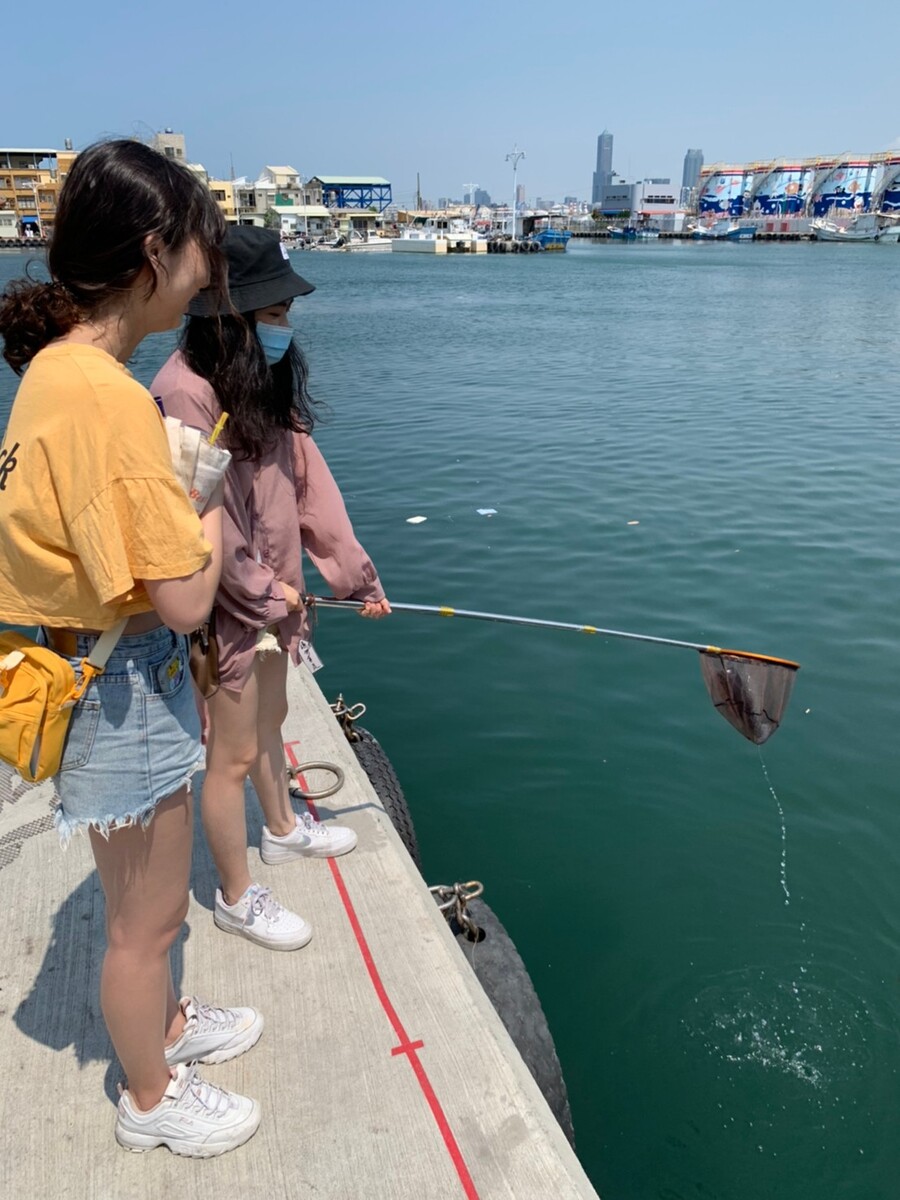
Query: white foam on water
[{"x": 784, "y": 885}]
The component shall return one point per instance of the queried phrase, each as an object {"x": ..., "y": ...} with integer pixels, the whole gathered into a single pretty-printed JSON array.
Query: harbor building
[
  {"x": 30, "y": 179},
  {"x": 173, "y": 145},
  {"x": 9, "y": 225},
  {"x": 305, "y": 220},
  {"x": 722, "y": 188},
  {"x": 781, "y": 189},
  {"x": 801, "y": 189},
  {"x": 643, "y": 199},
  {"x": 603, "y": 175},
  {"x": 278, "y": 193},
  {"x": 223, "y": 194},
  {"x": 353, "y": 191},
  {"x": 890, "y": 195}
]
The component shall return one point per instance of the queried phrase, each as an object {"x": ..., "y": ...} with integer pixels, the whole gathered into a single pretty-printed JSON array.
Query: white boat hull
[
  {"x": 859, "y": 229},
  {"x": 373, "y": 246}
]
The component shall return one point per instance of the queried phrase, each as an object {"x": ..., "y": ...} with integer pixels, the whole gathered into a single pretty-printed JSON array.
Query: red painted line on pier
[
  {"x": 407, "y": 1049},
  {"x": 405, "y": 1046}
]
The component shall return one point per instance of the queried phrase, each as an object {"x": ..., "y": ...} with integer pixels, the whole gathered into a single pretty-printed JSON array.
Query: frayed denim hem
[{"x": 67, "y": 827}]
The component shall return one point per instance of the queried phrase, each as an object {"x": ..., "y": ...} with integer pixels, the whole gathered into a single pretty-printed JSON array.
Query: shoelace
[
  {"x": 211, "y": 1015},
  {"x": 204, "y": 1098},
  {"x": 311, "y": 826},
  {"x": 265, "y": 905}
]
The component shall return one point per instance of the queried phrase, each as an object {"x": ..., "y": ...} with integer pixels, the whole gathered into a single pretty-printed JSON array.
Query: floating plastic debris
[
  {"x": 415, "y": 520},
  {"x": 486, "y": 512}
]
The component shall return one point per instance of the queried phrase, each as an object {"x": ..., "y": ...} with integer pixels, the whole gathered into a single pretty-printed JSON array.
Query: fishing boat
[
  {"x": 373, "y": 243},
  {"x": 859, "y": 227},
  {"x": 356, "y": 242},
  {"x": 724, "y": 230},
  {"x": 552, "y": 239},
  {"x": 623, "y": 233}
]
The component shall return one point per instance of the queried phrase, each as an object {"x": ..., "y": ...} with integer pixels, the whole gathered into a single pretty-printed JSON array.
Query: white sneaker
[
  {"x": 311, "y": 839},
  {"x": 259, "y": 917},
  {"x": 193, "y": 1118},
  {"x": 213, "y": 1035}
]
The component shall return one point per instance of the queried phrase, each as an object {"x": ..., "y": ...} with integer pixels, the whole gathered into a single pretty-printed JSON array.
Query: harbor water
[{"x": 692, "y": 441}]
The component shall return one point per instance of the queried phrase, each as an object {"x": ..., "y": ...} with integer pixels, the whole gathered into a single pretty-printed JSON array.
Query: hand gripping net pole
[{"x": 751, "y": 691}]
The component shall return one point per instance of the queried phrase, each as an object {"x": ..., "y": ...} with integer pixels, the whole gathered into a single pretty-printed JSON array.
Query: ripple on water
[{"x": 762, "y": 1019}]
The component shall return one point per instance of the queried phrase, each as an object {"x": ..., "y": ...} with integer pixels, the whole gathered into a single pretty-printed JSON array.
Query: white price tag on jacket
[{"x": 309, "y": 657}]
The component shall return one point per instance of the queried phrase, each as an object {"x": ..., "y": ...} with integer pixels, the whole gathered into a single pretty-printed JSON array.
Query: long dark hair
[
  {"x": 262, "y": 401},
  {"x": 116, "y": 194}
]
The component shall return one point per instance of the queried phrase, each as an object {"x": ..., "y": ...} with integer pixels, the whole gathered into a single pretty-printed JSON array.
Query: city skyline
[{"x": 204, "y": 70}]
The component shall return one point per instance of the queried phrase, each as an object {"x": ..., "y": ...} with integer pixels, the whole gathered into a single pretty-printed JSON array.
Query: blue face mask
[{"x": 275, "y": 340}]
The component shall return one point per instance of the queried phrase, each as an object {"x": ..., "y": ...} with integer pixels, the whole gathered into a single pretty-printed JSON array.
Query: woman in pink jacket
[{"x": 279, "y": 497}]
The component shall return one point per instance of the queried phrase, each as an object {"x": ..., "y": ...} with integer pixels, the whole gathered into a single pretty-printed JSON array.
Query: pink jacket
[{"x": 275, "y": 507}]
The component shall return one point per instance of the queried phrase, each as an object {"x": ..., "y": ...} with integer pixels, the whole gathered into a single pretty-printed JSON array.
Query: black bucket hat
[{"x": 259, "y": 274}]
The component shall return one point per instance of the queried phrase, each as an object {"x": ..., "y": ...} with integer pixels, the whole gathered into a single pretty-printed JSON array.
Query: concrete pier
[{"x": 383, "y": 1071}]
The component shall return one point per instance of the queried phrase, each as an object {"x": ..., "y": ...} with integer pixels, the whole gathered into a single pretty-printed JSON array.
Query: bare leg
[
  {"x": 268, "y": 771},
  {"x": 230, "y": 752},
  {"x": 144, "y": 873}
]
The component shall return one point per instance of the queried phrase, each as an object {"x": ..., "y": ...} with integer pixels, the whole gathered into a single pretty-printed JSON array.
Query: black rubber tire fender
[
  {"x": 504, "y": 977},
  {"x": 371, "y": 757}
]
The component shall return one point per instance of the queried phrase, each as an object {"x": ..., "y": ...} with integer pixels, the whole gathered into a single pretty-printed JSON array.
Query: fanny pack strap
[{"x": 96, "y": 661}]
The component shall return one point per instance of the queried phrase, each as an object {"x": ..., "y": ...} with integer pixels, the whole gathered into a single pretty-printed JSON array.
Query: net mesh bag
[{"x": 751, "y": 692}]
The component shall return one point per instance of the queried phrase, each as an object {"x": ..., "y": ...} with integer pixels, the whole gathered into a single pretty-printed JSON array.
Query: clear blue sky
[{"x": 447, "y": 89}]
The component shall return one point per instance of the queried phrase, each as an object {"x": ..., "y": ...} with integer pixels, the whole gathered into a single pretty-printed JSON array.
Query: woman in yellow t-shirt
[{"x": 94, "y": 527}]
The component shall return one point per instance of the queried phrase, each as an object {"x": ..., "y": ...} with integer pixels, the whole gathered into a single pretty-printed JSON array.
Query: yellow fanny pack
[{"x": 38, "y": 691}]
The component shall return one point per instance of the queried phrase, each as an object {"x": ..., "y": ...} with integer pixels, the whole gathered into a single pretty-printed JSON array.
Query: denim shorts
[{"x": 133, "y": 740}]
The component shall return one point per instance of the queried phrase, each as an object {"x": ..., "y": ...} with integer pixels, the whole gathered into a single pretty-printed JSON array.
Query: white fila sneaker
[
  {"x": 213, "y": 1035},
  {"x": 193, "y": 1118}
]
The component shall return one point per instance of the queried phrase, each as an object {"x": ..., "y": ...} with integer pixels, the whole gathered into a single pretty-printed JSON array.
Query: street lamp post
[{"x": 514, "y": 155}]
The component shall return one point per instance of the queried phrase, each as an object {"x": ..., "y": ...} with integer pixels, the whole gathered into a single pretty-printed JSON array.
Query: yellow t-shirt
[{"x": 89, "y": 504}]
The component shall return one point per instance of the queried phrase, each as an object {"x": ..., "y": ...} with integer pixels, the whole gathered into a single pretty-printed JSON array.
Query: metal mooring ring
[{"x": 302, "y": 768}]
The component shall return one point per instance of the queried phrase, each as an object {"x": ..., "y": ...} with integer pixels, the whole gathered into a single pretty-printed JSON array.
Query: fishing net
[{"x": 750, "y": 691}]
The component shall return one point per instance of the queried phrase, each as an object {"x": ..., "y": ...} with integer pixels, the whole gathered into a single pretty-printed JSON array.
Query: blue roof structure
[{"x": 353, "y": 191}]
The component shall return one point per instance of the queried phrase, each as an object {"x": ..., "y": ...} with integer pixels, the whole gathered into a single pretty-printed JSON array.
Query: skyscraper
[
  {"x": 603, "y": 174},
  {"x": 690, "y": 177}
]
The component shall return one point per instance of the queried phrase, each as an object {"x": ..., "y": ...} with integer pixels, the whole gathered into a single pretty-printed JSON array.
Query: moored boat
[
  {"x": 355, "y": 241},
  {"x": 552, "y": 239},
  {"x": 860, "y": 227},
  {"x": 440, "y": 236},
  {"x": 724, "y": 230}
]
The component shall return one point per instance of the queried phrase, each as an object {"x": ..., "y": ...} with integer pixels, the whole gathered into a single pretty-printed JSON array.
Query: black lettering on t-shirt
[{"x": 8, "y": 463}]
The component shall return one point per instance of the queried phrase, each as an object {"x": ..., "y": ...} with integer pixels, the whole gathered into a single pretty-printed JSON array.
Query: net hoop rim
[{"x": 768, "y": 658}]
